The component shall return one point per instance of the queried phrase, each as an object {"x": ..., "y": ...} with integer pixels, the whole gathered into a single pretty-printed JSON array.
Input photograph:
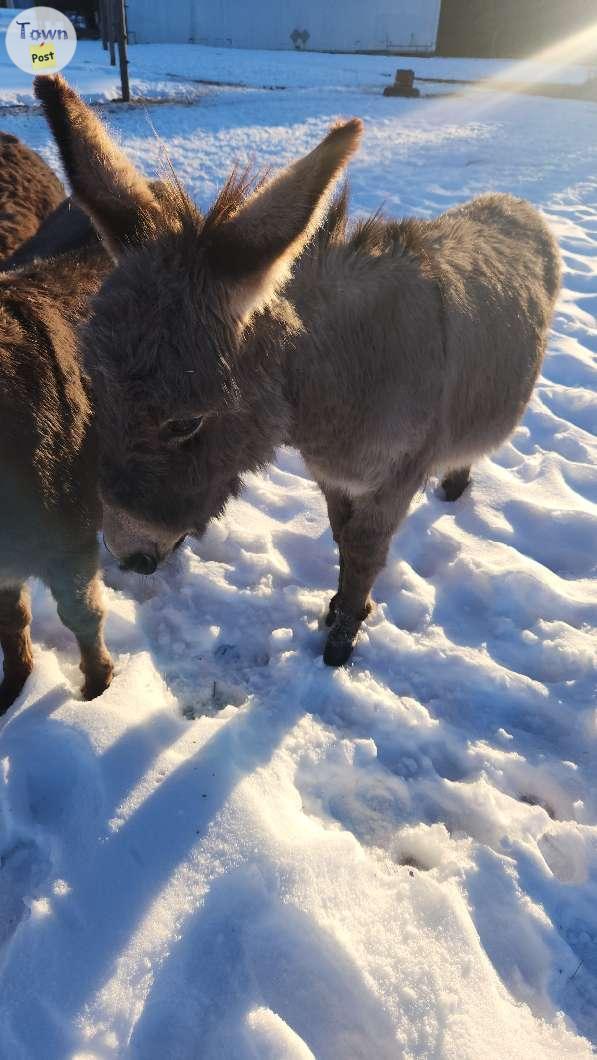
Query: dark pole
[
  {"x": 102, "y": 23},
  {"x": 111, "y": 17},
  {"x": 122, "y": 56}
]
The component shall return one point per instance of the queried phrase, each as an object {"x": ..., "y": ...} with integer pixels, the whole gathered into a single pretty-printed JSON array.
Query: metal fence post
[
  {"x": 111, "y": 18},
  {"x": 122, "y": 50}
]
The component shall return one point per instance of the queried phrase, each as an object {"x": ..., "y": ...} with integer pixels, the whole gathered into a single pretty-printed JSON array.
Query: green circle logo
[{"x": 41, "y": 40}]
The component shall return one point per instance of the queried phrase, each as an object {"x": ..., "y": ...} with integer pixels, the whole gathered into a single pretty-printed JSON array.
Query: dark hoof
[
  {"x": 97, "y": 682},
  {"x": 336, "y": 653},
  {"x": 454, "y": 484},
  {"x": 341, "y": 639}
]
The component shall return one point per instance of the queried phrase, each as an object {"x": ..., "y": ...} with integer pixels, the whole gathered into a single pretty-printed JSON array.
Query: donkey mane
[
  {"x": 372, "y": 236},
  {"x": 378, "y": 235},
  {"x": 234, "y": 193}
]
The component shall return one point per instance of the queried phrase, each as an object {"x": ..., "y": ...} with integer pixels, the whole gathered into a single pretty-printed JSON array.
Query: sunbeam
[{"x": 543, "y": 66}]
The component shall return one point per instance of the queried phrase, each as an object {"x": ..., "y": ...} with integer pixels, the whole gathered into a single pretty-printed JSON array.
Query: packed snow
[{"x": 237, "y": 853}]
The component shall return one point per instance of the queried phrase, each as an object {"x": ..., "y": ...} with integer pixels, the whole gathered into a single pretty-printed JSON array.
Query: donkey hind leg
[
  {"x": 77, "y": 593},
  {"x": 365, "y": 541},
  {"x": 15, "y": 616},
  {"x": 339, "y": 511},
  {"x": 455, "y": 483}
]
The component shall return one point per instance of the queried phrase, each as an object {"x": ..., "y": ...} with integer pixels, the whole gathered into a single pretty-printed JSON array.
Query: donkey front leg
[
  {"x": 15, "y": 617},
  {"x": 364, "y": 544},
  {"x": 78, "y": 595},
  {"x": 339, "y": 511}
]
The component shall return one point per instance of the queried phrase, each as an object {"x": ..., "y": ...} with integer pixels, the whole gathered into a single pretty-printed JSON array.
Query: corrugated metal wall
[
  {"x": 318, "y": 25},
  {"x": 158, "y": 21}
]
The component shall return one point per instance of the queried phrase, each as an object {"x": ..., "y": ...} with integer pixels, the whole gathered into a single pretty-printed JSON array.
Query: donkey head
[{"x": 183, "y": 388}]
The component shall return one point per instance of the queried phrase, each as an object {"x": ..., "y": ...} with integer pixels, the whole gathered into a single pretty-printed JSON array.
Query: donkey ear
[
  {"x": 254, "y": 251},
  {"x": 118, "y": 199}
]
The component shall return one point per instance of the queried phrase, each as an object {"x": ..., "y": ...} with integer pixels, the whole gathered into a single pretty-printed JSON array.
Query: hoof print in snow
[
  {"x": 210, "y": 700},
  {"x": 534, "y": 800},
  {"x": 411, "y": 863},
  {"x": 229, "y": 652},
  {"x": 23, "y": 867}
]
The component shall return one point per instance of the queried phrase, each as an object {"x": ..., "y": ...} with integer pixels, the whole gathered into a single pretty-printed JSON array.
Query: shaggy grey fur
[{"x": 396, "y": 350}]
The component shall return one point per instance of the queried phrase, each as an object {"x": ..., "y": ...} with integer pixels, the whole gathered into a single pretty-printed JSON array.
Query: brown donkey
[
  {"x": 51, "y": 509},
  {"x": 398, "y": 349},
  {"x": 29, "y": 191}
]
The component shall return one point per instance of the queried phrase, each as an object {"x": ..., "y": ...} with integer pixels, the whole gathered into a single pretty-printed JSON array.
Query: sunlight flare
[{"x": 543, "y": 66}]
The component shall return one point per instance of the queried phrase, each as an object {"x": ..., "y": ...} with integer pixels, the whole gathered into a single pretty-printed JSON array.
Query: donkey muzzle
[{"x": 138, "y": 545}]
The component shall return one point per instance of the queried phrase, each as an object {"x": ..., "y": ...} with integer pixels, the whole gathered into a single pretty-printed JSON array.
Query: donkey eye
[{"x": 182, "y": 429}]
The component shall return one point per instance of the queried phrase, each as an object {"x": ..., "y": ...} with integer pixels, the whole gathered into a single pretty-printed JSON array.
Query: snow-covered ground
[
  {"x": 236, "y": 853},
  {"x": 175, "y": 71}
]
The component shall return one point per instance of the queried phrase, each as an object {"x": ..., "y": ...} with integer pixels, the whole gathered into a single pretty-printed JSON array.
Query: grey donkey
[
  {"x": 48, "y": 469},
  {"x": 397, "y": 349}
]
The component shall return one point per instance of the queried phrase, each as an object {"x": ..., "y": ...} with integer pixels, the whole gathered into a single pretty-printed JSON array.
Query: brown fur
[
  {"x": 66, "y": 229},
  {"x": 51, "y": 509},
  {"x": 29, "y": 191},
  {"x": 399, "y": 348}
]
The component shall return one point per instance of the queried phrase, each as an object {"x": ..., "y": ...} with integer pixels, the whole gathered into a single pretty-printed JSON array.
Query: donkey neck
[
  {"x": 266, "y": 382},
  {"x": 296, "y": 354},
  {"x": 329, "y": 290}
]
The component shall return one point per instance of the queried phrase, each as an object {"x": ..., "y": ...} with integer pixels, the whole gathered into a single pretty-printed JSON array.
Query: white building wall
[
  {"x": 331, "y": 25},
  {"x": 157, "y": 21}
]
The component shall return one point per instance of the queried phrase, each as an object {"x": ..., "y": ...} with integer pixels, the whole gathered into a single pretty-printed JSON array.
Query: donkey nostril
[{"x": 141, "y": 563}]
